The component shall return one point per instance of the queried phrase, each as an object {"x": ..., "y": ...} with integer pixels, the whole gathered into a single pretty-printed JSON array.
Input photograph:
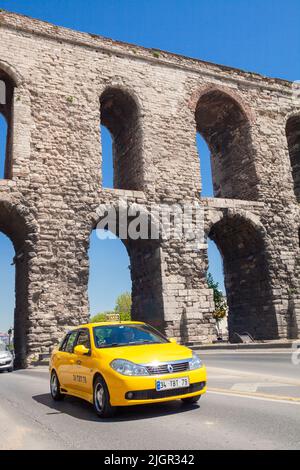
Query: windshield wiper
[
  {"x": 112, "y": 345},
  {"x": 146, "y": 341},
  {"x": 135, "y": 343}
]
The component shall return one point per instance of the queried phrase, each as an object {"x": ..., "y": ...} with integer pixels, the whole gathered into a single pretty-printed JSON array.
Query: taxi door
[
  {"x": 65, "y": 360},
  {"x": 82, "y": 370}
]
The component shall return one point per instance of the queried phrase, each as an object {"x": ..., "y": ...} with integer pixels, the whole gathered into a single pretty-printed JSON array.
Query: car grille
[
  {"x": 163, "y": 368},
  {"x": 154, "y": 394},
  {"x": 5, "y": 363}
]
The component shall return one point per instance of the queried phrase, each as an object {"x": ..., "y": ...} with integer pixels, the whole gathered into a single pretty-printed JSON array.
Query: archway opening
[
  {"x": 226, "y": 129},
  {"x": 107, "y": 158},
  {"x": 13, "y": 226},
  {"x": 120, "y": 116},
  {"x": 7, "y": 290},
  {"x": 123, "y": 260},
  {"x": 6, "y": 123},
  {"x": 109, "y": 272},
  {"x": 205, "y": 167},
  {"x": 3, "y": 139},
  {"x": 216, "y": 272},
  {"x": 247, "y": 283},
  {"x": 293, "y": 139}
]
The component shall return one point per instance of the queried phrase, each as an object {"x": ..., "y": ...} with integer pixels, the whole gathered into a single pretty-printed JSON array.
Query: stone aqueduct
[{"x": 60, "y": 84}]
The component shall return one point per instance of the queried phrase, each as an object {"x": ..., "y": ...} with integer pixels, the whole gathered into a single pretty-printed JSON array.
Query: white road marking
[
  {"x": 245, "y": 387},
  {"x": 218, "y": 372},
  {"x": 252, "y": 386},
  {"x": 270, "y": 398}
]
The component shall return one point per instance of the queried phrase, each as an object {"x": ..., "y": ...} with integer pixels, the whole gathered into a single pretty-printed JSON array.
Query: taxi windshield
[{"x": 126, "y": 335}]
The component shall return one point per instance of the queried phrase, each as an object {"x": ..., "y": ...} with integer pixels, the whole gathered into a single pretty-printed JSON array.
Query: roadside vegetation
[
  {"x": 221, "y": 307},
  {"x": 122, "y": 308}
]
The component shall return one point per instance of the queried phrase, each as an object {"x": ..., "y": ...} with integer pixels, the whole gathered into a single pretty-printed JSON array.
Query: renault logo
[{"x": 170, "y": 368}]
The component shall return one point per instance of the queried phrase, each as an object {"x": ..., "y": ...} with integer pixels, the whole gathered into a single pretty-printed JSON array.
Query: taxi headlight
[
  {"x": 128, "y": 368},
  {"x": 195, "y": 362}
]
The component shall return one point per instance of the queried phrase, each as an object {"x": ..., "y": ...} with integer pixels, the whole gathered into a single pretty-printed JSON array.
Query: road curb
[{"x": 234, "y": 347}]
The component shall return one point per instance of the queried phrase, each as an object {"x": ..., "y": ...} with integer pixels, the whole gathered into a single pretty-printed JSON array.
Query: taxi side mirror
[
  {"x": 173, "y": 340},
  {"x": 81, "y": 350}
]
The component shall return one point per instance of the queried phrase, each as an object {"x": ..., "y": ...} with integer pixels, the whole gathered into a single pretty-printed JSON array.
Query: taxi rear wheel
[
  {"x": 55, "y": 387},
  {"x": 191, "y": 400},
  {"x": 102, "y": 404}
]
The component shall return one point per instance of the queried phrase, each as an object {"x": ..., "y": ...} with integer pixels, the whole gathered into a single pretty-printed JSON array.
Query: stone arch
[
  {"x": 216, "y": 216},
  {"x": 204, "y": 90},
  {"x": 292, "y": 130},
  {"x": 12, "y": 72},
  {"x": 241, "y": 240},
  {"x": 120, "y": 114},
  {"x": 225, "y": 124},
  {"x": 145, "y": 264},
  {"x": 16, "y": 224}
]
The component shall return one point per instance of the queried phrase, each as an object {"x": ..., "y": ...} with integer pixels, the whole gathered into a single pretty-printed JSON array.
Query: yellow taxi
[{"x": 115, "y": 364}]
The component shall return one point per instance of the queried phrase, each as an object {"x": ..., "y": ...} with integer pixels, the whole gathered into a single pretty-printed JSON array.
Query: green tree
[
  {"x": 100, "y": 317},
  {"x": 123, "y": 306},
  {"x": 219, "y": 299}
]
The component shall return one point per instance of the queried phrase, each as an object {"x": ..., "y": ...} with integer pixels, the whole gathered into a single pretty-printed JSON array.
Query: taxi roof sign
[{"x": 112, "y": 317}]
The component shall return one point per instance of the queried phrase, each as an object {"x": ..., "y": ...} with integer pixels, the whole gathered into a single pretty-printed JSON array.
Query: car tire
[
  {"x": 10, "y": 369},
  {"x": 191, "y": 400},
  {"x": 55, "y": 387},
  {"x": 101, "y": 399}
]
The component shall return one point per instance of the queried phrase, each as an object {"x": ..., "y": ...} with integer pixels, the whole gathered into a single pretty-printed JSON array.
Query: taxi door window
[
  {"x": 84, "y": 339},
  {"x": 71, "y": 342},
  {"x": 64, "y": 343}
]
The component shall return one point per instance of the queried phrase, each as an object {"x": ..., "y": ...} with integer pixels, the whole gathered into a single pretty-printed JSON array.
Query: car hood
[
  {"x": 147, "y": 353},
  {"x": 5, "y": 354}
]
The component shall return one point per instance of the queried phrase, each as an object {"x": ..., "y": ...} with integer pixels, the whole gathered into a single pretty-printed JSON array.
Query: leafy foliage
[
  {"x": 99, "y": 317},
  {"x": 122, "y": 308},
  {"x": 221, "y": 307}
]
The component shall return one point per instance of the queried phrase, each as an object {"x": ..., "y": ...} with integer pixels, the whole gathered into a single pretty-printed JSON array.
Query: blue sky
[{"x": 258, "y": 35}]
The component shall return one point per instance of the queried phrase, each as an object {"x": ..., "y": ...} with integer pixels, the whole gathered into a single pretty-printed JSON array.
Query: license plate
[{"x": 170, "y": 384}]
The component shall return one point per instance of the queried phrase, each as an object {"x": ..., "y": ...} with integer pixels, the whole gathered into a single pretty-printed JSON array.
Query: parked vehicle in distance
[
  {"x": 6, "y": 358},
  {"x": 115, "y": 364}
]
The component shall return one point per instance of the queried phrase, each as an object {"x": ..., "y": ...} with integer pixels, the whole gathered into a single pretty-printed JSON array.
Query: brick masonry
[{"x": 153, "y": 102}]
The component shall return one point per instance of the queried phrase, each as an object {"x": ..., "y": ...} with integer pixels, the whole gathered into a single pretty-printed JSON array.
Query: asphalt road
[
  {"x": 275, "y": 363},
  {"x": 253, "y": 403}
]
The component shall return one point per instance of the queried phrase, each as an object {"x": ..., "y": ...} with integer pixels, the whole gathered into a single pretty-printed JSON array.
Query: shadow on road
[{"x": 80, "y": 409}]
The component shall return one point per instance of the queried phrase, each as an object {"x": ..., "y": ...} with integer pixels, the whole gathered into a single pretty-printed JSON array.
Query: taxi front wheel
[
  {"x": 102, "y": 404},
  {"x": 55, "y": 387},
  {"x": 191, "y": 400}
]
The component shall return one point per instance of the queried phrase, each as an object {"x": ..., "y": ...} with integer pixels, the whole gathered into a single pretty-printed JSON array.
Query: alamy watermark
[{"x": 184, "y": 222}]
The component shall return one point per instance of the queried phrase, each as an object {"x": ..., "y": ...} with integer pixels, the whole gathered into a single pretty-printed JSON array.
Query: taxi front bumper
[{"x": 137, "y": 390}]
